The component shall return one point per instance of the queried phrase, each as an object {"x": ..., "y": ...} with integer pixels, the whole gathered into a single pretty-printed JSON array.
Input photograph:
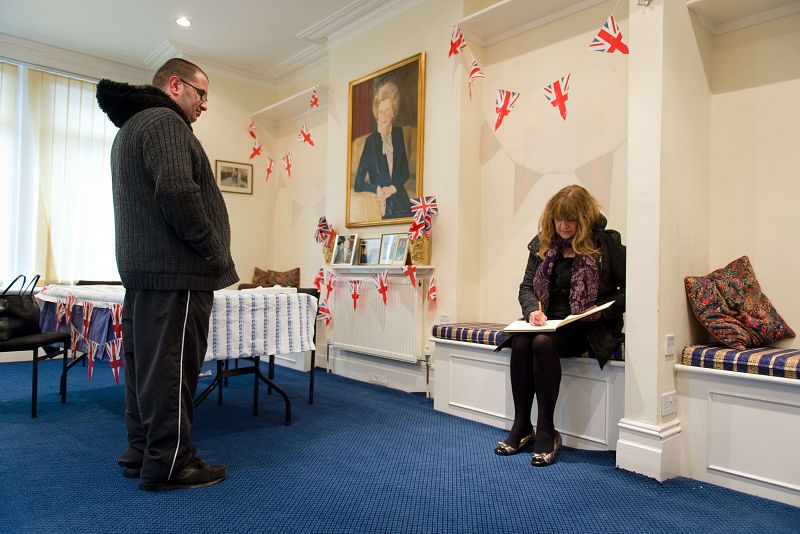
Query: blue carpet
[{"x": 361, "y": 459}]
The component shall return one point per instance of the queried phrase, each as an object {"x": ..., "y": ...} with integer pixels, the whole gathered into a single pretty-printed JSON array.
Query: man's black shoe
[
  {"x": 130, "y": 470},
  {"x": 195, "y": 474}
]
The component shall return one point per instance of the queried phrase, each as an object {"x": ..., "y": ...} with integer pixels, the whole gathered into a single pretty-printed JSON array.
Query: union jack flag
[
  {"x": 355, "y": 292},
  {"x": 287, "y": 163},
  {"x": 305, "y": 136},
  {"x": 116, "y": 319},
  {"x": 416, "y": 230},
  {"x": 323, "y": 312},
  {"x": 329, "y": 285},
  {"x": 320, "y": 279},
  {"x": 87, "y": 318},
  {"x": 324, "y": 233},
  {"x": 475, "y": 72},
  {"x": 114, "y": 349},
  {"x": 74, "y": 339},
  {"x": 60, "y": 311},
  {"x": 410, "y": 271},
  {"x": 556, "y": 94},
  {"x": 433, "y": 293},
  {"x": 609, "y": 39},
  {"x": 457, "y": 42},
  {"x": 91, "y": 347},
  {"x": 504, "y": 104},
  {"x": 270, "y": 167},
  {"x": 68, "y": 309},
  {"x": 423, "y": 206},
  {"x": 251, "y": 129},
  {"x": 314, "y": 101},
  {"x": 382, "y": 285},
  {"x": 256, "y": 149}
]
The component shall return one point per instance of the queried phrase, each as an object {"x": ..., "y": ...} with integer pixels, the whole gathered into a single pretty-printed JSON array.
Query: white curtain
[{"x": 56, "y": 178}]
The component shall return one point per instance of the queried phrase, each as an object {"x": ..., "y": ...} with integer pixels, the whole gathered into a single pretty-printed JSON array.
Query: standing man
[{"x": 173, "y": 250}]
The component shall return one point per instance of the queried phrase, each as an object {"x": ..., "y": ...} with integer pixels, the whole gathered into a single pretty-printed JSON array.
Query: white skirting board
[
  {"x": 473, "y": 382},
  {"x": 741, "y": 431},
  {"x": 396, "y": 374}
]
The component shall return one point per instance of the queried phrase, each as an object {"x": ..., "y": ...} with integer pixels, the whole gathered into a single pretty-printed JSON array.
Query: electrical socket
[
  {"x": 444, "y": 318},
  {"x": 669, "y": 403},
  {"x": 378, "y": 379},
  {"x": 669, "y": 345}
]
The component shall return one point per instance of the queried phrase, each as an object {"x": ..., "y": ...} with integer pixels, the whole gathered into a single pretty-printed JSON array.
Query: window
[{"x": 56, "y": 214}]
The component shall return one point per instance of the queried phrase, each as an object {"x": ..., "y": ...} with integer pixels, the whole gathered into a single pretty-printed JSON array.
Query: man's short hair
[{"x": 176, "y": 67}]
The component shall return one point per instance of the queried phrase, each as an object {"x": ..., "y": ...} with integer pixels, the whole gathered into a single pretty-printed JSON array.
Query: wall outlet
[
  {"x": 669, "y": 403},
  {"x": 444, "y": 318},
  {"x": 669, "y": 345},
  {"x": 378, "y": 379}
]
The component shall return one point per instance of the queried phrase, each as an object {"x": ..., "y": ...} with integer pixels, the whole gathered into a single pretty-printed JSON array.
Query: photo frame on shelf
[
  {"x": 234, "y": 177},
  {"x": 344, "y": 249},
  {"x": 389, "y": 248},
  {"x": 387, "y": 104},
  {"x": 369, "y": 250},
  {"x": 400, "y": 250}
]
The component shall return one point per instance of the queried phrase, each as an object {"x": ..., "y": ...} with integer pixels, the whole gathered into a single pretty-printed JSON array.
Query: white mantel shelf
[
  {"x": 293, "y": 107},
  {"x": 422, "y": 270}
]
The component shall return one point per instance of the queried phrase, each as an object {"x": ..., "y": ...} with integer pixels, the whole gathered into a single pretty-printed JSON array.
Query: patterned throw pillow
[
  {"x": 730, "y": 305},
  {"x": 271, "y": 278}
]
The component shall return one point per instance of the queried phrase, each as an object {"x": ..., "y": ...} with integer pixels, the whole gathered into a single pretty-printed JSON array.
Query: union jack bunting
[
  {"x": 475, "y": 73},
  {"x": 61, "y": 306},
  {"x": 91, "y": 348},
  {"x": 504, "y": 104},
  {"x": 410, "y": 271},
  {"x": 114, "y": 349},
  {"x": 251, "y": 129},
  {"x": 433, "y": 293},
  {"x": 305, "y": 136},
  {"x": 382, "y": 285},
  {"x": 68, "y": 309},
  {"x": 87, "y": 317},
  {"x": 416, "y": 230},
  {"x": 256, "y": 149},
  {"x": 556, "y": 94},
  {"x": 423, "y": 206},
  {"x": 457, "y": 42},
  {"x": 324, "y": 312},
  {"x": 609, "y": 39},
  {"x": 270, "y": 167},
  {"x": 329, "y": 285},
  {"x": 320, "y": 279},
  {"x": 116, "y": 319},
  {"x": 287, "y": 163},
  {"x": 74, "y": 339},
  {"x": 314, "y": 100},
  {"x": 355, "y": 292},
  {"x": 324, "y": 233}
]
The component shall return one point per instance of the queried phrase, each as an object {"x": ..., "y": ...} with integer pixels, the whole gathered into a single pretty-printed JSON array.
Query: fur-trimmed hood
[{"x": 121, "y": 101}]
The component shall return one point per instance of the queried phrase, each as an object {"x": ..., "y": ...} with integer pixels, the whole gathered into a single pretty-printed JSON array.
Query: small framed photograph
[
  {"x": 369, "y": 251},
  {"x": 344, "y": 249},
  {"x": 389, "y": 248},
  {"x": 234, "y": 177},
  {"x": 400, "y": 249}
]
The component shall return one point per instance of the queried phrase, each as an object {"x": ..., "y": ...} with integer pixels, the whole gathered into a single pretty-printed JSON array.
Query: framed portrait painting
[
  {"x": 234, "y": 177},
  {"x": 384, "y": 143}
]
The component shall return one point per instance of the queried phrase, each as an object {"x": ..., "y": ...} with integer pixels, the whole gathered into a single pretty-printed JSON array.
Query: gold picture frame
[{"x": 386, "y": 118}]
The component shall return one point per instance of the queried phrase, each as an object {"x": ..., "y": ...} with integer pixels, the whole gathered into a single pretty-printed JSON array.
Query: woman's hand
[{"x": 537, "y": 318}]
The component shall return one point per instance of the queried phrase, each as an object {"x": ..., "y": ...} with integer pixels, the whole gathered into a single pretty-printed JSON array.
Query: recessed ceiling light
[{"x": 183, "y": 21}]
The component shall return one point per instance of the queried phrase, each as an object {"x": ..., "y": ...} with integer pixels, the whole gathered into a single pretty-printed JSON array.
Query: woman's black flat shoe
[
  {"x": 504, "y": 449},
  {"x": 543, "y": 459}
]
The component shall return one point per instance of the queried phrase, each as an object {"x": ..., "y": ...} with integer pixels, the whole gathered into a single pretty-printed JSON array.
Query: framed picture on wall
[
  {"x": 344, "y": 249},
  {"x": 234, "y": 177},
  {"x": 369, "y": 251},
  {"x": 384, "y": 143}
]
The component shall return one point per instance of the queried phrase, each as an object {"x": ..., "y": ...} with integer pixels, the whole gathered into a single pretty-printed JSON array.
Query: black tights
[{"x": 536, "y": 370}]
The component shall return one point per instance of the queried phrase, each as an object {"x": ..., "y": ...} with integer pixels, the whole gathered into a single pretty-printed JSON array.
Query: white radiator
[{"x": 389, "y": 331}]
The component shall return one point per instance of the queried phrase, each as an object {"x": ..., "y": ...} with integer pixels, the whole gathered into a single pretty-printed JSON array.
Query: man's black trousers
[{"x": 165, "y": 337}]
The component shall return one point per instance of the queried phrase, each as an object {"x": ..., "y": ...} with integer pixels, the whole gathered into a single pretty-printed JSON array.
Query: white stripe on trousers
[{"x": 180, "y": 385}]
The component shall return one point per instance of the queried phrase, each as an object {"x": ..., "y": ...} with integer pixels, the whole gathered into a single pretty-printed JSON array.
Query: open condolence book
[{"x": 552, "y": 324}]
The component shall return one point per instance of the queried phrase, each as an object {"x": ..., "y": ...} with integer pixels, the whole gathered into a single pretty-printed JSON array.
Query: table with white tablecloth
[{"x": 249, "y": 324}]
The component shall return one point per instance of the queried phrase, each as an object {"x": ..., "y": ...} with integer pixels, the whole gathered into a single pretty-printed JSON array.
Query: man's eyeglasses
[{"x": 200, "y": 92}]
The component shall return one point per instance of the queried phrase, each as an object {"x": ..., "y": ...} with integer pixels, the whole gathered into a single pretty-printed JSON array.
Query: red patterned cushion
[
  {"x": 730, "y": 305},
  {"x": 270, "y": 278}
]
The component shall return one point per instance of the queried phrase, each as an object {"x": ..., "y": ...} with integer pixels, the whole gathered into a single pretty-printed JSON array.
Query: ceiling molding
[
  {"x": 95, "y": 67},
  {"x": 306, "y": 58},
  {"x": 160, "y": 55},
  {"x": 717, "y": 25},
  {"x": 355, "y": 19}
]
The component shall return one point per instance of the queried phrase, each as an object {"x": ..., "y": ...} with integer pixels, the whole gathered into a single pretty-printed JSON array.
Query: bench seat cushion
[
  {"x": 759, "y": 360},
  {"x": 488, "y": 334}
]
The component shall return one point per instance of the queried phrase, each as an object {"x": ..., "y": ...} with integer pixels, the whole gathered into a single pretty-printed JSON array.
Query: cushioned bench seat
[
  {"x": 488, "y": 334},
  {"x": 760, "y": 360}
]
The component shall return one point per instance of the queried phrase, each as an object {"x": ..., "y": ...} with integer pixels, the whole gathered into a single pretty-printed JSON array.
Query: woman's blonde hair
[
  {"x": 386, "y": 91},
  {"x": 573, "y": 203}
]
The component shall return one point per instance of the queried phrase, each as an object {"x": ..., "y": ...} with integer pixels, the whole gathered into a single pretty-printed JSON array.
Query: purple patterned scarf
[{"x": 583, "y": 283}]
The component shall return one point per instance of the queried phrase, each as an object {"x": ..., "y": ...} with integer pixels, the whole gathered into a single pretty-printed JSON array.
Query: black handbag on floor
[{"x": 19, "y": 312}]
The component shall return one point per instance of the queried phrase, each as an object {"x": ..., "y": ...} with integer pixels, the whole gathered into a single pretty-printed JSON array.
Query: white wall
[
  {"x": 535, "y": 153},
  {"x": 755, "y": 132}
]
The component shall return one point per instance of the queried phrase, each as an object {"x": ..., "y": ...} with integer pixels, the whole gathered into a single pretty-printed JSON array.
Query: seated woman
[{"x": 574, "y": 265}]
